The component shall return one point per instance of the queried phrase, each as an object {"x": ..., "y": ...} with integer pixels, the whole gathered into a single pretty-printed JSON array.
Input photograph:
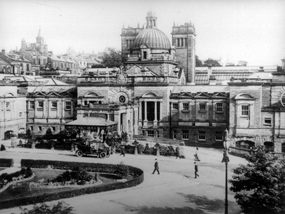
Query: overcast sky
[{"x": 253, "y": 30}]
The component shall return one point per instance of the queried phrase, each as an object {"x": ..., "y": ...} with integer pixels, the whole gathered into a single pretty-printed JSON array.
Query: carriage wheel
[
  {"x": 102, "y": 155},
  {"x": 79, "y": 153}
]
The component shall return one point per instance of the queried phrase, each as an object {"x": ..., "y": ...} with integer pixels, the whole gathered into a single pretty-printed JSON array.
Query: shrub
[
  {"x": 60, "y": 208},
  {"x": 6, "y": 162}
]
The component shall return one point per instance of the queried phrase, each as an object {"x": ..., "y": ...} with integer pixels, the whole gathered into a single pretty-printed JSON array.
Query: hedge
[
  {"x": 92, "y": 167},
  {"x": 6, "y": 162}
]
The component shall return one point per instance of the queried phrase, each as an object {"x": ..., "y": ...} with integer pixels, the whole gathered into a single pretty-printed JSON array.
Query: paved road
[{"x": 173, "y": 191}]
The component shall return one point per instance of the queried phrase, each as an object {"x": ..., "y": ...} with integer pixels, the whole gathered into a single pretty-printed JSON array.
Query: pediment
[
  {"x": 144, "y": 47},
  {"x": 244, "y": 96},
  {"x": 91, "y": 94}
]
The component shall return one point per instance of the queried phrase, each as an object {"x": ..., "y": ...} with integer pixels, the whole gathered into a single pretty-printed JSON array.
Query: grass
[{"x": 23, "y": 190}]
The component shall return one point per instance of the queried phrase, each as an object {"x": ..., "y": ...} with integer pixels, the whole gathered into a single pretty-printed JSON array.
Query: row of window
[
  {"x": 201, "y": 135},
  {"x": 219, "y": 107},
  {"x": 54, "y": 106}
]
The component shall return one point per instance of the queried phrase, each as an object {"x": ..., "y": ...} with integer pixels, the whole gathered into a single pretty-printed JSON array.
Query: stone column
[
  {"x": 140, "y": 113},
  {"x": 145, "y": 113},
  {"x": 251, "y": 115},
  {"x": 155, "y": 114},
  {"x": 238, "y": 113}
]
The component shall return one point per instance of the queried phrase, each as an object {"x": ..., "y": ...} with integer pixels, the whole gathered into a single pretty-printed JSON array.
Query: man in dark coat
[
  {"x": 196, "y": 170},
  {"x": 156, "y": 168}
]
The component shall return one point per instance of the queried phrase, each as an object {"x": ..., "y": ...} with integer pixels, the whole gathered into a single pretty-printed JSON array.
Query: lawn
[{"x": 23, "y": 188}]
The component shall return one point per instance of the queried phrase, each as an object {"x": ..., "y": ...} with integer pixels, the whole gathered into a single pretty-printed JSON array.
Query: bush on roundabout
[
  {"x": 6, "y": 162},
  {"x": 120, "y": 169}
]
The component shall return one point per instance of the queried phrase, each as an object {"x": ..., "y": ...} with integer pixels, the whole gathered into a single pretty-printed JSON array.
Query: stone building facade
[
  {"x": 199, "y": 115},
  {"x": 50, "y": 107},
  {"x": 257, "y": 114},
  {"x": 12, "y": 110}
]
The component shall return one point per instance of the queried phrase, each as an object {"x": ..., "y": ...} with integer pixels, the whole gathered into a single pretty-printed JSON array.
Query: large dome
[{"x": 153, "y": 38}]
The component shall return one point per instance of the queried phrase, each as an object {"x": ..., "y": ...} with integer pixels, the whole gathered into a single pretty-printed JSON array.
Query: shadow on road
[
  {"x": 166, "y": 210},
  {"x": 215, "y": 205}
]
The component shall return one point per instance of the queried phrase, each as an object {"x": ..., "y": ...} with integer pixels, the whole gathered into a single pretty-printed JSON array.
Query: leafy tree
[
  {"x": 199, "y": 63},
  {"x": 260, "y": 185},
  {"x": 59, "y": 208},
  {"x": 211, "y": 62},
  {"x": 112, "y": 58}
]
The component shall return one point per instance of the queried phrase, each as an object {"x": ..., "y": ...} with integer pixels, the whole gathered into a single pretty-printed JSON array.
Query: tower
[
  {"x": 128, "y": 36},
  {"x": 184, "y": 40},
  {"x": 151, "y": 20}
]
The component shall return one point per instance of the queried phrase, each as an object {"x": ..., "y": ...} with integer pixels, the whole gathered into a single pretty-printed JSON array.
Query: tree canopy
[
  {"x": 112, "y": 58},
  {"x": 211, "y": 62},
  {"x": 260, "y": 185}
]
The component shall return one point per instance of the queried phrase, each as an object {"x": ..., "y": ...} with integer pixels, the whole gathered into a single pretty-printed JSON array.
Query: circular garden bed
[{"x": 108, "y": 177}]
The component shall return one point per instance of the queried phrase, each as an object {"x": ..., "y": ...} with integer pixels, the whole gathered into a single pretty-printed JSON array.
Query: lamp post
[{"x": 226, "y": 160}]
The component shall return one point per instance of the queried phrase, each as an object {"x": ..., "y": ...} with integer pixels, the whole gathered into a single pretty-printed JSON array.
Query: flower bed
[
  {"x": 6, "y": 162},
  {"x": 122, "y": 170},
  {"x": 20, "y": 175}
]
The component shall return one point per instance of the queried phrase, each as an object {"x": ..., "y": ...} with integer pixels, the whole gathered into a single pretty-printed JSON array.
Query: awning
[{"x": 91, "y": 121}]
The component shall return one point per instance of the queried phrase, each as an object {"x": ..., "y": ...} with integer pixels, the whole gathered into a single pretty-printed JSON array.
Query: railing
[{"x": 133, "y": 79}]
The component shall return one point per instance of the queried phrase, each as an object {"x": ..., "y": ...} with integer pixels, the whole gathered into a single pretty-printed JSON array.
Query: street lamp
[{"x": 226, "y": 160}]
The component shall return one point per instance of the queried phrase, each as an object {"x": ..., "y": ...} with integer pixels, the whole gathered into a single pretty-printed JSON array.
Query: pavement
[{"x": 175, "y": 190}]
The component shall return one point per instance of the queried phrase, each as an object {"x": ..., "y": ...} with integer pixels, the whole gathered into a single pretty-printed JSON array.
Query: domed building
[{"x": 149, "y": 47}]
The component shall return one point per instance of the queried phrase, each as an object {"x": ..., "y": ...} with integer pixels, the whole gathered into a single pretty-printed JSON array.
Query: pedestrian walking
[
  {"x": 196, "y": 155},
  {"x": 156, "y": 168},
  {"x": 178, "y": 153},
  {"x": 123, "y": 151},
  {"x": 196, "y": 170}
]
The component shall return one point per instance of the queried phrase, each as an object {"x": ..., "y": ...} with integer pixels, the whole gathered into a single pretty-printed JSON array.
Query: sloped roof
[{"x": 91, "y": 121}]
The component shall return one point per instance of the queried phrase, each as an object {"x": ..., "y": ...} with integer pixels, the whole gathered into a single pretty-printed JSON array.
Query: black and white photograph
[{"x": 142, "y": 107}]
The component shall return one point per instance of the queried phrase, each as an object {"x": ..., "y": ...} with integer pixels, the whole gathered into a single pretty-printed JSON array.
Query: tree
[
  {"x": 260, "y": 185},
  {"x": 112, "y": 58},
  {"x": 211, "y": 62},
  {"x": 59, "y": 208},
  {"x": 198, "y": 62}
]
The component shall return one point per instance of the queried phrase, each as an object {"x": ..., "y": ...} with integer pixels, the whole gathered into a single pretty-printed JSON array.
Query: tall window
[
  {"x": 219, "y": 135},
  {"x": 68, "y": 105},
  {"x": 144, "y": 55},
  {"x": 202, "y": 107},
  {"x": 185, "y": 134},
  {"x": 186, "y": 106},
  {"x": 40, "y": 105},
  {"x": 202, "y": 136},
  {"x": 175, "y": 106},
  {"x": 245, "y": 110},
  {"x": 40, "y": 128},
  {"x": 53, "y": 105},
  {"x": 219, "y": 107},
  {"x": 32, "y": 105},
  {"x": 8, "y": 106}
]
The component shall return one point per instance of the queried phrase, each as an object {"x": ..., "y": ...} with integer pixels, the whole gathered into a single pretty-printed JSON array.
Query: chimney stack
[{"x": 3, "y": 51}]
